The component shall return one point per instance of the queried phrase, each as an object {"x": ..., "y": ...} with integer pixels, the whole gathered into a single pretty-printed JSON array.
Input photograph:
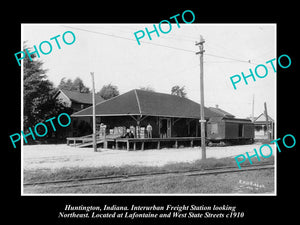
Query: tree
[
  {"x": 38, "y": 96},
  {"x": 76, "y": 85},
  {"x": 179, "y": 91},
  {"x": 65, "y": 85},
  {"x": 36, "y": 90},
  {"x": 108, "y": 91},
  {"x": 148, "y": 88}
]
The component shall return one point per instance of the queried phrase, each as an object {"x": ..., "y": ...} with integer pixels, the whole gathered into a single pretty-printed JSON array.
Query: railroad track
[{"x": 103, "y": 180}]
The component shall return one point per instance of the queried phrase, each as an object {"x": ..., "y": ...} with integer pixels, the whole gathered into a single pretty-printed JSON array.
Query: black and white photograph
[
  {"x": 113, "y": 112},
  {"x": 150, "y": 113}
]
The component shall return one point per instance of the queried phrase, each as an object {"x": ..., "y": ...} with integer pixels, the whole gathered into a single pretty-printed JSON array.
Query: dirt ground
[{"x": 61, "y": 155}]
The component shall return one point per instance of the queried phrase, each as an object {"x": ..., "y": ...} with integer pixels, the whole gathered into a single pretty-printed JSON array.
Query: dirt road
[{"x": 58, "y": 156}]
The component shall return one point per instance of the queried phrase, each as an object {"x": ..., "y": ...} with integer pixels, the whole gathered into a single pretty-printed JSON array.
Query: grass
[
  {"x": 220, "y": 183},
  {"x": 209, "y": 184},
  {"x": 31, "y": 176}
]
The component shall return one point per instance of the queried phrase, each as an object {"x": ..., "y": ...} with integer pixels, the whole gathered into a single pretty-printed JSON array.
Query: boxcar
[{"x": 230, "y": 131}]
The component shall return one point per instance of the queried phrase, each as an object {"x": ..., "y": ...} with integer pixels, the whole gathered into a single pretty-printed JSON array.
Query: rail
[{"x": 109, "y": 179}]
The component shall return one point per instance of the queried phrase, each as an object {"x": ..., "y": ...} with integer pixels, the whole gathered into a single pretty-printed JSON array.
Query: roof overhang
[{"x": 129, "y": 114}]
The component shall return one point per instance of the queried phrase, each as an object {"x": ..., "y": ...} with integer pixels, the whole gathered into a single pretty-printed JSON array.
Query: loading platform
[{"x": 116, "y": 142}]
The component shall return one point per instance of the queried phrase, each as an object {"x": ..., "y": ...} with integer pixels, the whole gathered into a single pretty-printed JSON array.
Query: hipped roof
[{"x": 140, "y": 102}]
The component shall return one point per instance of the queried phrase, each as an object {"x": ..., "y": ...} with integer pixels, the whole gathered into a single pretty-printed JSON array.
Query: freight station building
[{"x": 174, "y": 121}]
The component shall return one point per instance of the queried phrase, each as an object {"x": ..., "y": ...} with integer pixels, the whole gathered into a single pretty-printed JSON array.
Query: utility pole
[
  {"x": 267, "y": 121},
  {"x": 252, "y": 109},
  {"x": 202, "y": 119},
  {"x": 94, "y": 114}
]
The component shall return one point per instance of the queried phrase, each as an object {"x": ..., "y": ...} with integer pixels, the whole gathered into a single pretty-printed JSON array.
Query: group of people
[{"x": 130, "y": 133}]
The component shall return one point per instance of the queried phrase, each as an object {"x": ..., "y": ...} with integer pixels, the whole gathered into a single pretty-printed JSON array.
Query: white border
[
  {"x": 22, "y": 113},
  {"x": 128, "y": 194}
]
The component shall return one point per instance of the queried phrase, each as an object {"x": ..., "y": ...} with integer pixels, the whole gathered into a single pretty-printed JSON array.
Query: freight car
[{"x": 229, "y": 131}]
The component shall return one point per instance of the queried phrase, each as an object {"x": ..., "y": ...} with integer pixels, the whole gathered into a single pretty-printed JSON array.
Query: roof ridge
[
  {"x": 78, "y": 92},
  {"x": 263, "y": 114},
  {"x": 138, "y": 101}
]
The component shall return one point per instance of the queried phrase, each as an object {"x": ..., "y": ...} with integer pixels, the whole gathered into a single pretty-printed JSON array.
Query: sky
[{"x": 113, "y": 54}]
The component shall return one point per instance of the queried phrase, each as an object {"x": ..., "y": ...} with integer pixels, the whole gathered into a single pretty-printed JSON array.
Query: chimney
[{"x": 217, "y": 106}]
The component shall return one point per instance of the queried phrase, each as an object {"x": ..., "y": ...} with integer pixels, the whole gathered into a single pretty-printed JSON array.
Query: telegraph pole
[
  {"x": 252, "y": 109},
  {"x": 202, "y": 119},
  {"x": 267, "y": 121},
  {"x": 94, "y": 114}
]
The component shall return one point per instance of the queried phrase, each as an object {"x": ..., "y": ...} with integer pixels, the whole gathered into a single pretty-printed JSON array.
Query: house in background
[
  {"x": 260, "y": 124},
  {"x": 77, "y": 101}
]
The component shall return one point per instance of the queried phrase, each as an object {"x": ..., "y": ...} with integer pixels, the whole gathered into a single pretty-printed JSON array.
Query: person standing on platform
[
  {"x": 132, "y": 131},
  {"x": 149, "y": 130}
]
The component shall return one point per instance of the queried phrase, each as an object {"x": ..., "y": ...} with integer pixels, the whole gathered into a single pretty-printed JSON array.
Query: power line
[
  {"x": 186, "y": 50},
  {"x": 219, "y": 61},
  {"x": 223, "y": 57},
  {"x": 169, "y": 36},
  {"x": 116, "y": 36},
  {"x": 155, "y": 44}
]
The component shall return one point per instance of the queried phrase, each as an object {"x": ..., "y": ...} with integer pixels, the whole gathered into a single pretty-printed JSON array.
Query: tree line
[{"x": 109, "y": 91}]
